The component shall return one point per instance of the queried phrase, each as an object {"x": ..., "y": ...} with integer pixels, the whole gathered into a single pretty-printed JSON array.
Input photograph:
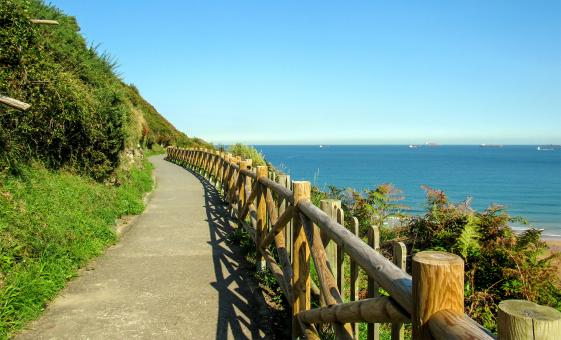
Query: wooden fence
[{"x": 289, "y": 232}]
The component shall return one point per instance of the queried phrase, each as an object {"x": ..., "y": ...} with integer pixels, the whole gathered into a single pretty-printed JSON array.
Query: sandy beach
[{"x": 554, "y": 244}]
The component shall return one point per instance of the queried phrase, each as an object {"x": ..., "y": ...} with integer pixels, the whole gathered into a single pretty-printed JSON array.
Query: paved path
[{"x": 171, "y": 276}]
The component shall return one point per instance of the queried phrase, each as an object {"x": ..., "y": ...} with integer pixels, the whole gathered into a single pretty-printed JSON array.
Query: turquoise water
[{"x": 527, "y": 181}]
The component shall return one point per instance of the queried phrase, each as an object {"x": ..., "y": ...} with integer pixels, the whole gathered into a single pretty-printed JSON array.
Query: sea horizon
[{"x": 525, "y": 180}]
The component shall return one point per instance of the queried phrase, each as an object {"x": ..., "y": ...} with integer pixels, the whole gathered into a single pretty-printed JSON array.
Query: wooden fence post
[
  {"x": 244, "y": 165},
  {"x": 399, "y": 259},
  {"x": 373, "y": 329},
  {"x": 284, "y": 180},
  {"x": 301, "y": 263},
  {"x": 520, "y": 319},
  {"x": 340, "y": 217},
  {"x": 261, "y": 205},
  {"x": 330, "y": 207},
  {"x": 354, "y": 284},
  {"x": 438, "y": 284},
  {"x": 234, "y": 190}
]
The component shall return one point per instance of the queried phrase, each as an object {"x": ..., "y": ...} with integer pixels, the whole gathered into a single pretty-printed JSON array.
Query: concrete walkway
[{"x": 171, "y": 276}]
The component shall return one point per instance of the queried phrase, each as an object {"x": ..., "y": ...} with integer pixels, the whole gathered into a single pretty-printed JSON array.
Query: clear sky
[{"x": 340, "y": 72}]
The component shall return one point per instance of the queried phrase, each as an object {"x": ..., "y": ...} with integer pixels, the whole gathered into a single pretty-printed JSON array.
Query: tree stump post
[
  {"x": 438, "y": 284},
  {"x": 521, "y": 319}
]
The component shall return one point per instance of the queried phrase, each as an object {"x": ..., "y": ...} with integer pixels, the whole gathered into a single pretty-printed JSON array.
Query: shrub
[
  {"x": 82, "y": 115},
  {"x": 247, "y": 152},
  {"x": 499, "y": 264}
]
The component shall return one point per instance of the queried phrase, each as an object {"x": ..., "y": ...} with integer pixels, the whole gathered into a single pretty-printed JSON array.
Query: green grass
[
  {"x": 51, "y": 224},
  {"x": 156, "y": 150}
]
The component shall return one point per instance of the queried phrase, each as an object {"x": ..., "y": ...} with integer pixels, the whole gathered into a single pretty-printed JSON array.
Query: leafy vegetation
[
  {"x": 82, "y": 115},
  {"x": 51, "y": 224},
  {"x": 72, "y": 163},
  {"x": 247, "y": 152},
  {"x": 499, "y": 264}
]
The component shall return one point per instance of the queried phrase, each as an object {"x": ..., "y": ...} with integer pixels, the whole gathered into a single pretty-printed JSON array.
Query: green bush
[
  {"x": 82, "y": 115},
  {"x": 247, "y": 152},
  {"x": 499, "y": 264},
  {"x": 77, "y": 116}
]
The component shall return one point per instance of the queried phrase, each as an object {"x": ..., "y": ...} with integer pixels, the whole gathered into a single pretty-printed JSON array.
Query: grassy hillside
[
  {"x": 82, "y": 115},
  {"x": 72, "y": 164}
]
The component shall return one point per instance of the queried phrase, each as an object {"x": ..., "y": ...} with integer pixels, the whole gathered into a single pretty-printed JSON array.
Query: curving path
[{"x": 171, "y": 276}]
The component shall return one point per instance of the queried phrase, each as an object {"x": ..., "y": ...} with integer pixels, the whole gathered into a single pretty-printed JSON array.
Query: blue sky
[{"x": 345, "y": 72}]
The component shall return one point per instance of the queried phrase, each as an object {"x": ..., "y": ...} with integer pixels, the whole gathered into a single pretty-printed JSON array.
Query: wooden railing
[{"x": 289, "y": 231}]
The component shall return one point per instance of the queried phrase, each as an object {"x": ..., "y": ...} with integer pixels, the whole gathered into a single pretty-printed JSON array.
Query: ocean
[{"x": 527, "y": 181}]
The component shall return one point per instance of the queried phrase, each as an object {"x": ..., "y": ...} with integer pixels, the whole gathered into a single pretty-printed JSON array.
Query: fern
[{"x": 468, "y": 241}]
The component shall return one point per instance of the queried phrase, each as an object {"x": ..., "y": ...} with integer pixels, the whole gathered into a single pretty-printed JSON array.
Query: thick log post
[
  {"x": 301, "y": 263},
  {"x": 520, "y": 319},
  {"x": 438, "y": 284},
  {"x": 261, "y": 205}
]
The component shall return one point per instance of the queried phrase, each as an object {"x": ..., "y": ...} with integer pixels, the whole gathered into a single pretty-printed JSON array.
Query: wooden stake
[
  {"x": 284, "y": 180},
  {"x": 328, "y": 285},
  {"x": 340, "y": 216},
  {"x": 301, "y": 262},
  {"x": 16, "y": 104},
  {"x": 354, "y": 284},
  {"x": 399, "y": 259},
  {"x": 260, "y": 203},
  {"x": 438, "y": 284},
  {"x": 330, "y": 207},
  {"x": 373, "y": 329},
  {"x": 44, "y": 22},
  {"x": 520, "y": 319}
]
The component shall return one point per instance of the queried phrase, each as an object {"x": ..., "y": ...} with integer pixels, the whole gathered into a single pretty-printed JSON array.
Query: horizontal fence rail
[{"x": 290, "y": 232}]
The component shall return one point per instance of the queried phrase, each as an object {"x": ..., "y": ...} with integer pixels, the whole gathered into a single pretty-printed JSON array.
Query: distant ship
[
  {"x": 431, "y": 144},
  {"x": 491, "y": 145},
  {"x": 321, "y": 146},
  {"x": 545, "y": 148},
  {"x": 414, "y": 146}
]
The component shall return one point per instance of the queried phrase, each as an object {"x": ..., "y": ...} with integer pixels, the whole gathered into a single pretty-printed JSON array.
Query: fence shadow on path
[{"x": 241, "y": 304}]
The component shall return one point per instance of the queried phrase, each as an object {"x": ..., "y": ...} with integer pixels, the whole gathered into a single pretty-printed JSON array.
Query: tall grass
[
  {"x": 247, "y": 152},
  {"x": 51, "y": 224}
]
